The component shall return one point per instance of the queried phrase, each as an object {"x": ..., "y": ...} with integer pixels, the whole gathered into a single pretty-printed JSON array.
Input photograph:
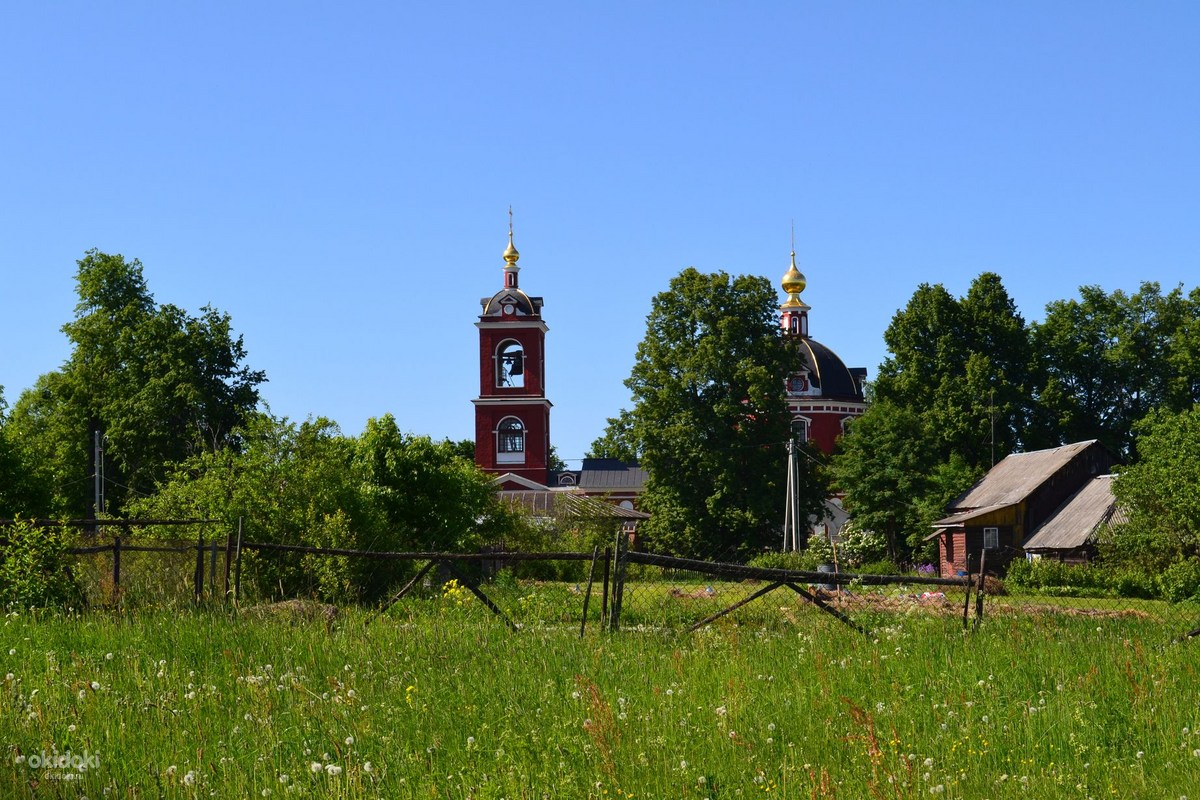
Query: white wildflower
[{"x": 333, "y": 769}]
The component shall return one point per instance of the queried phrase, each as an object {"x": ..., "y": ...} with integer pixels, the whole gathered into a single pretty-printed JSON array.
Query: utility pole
[
  {"x": 791, "y": 512},
  {"x": 98, "y": 475}
]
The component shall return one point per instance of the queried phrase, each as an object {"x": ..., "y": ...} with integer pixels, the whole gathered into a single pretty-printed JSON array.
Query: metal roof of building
[
  {"x": 631, "y": 479},
  {"x": 1076, "y": 521},
  {"x": 1011, "y": 481},
  {"x": 828, "y": 372}
]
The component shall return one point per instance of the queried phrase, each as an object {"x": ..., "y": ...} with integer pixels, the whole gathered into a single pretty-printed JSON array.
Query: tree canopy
[
  {"x": 1107, "y": 360},
  {"x": 158, "y": 384},
  {"x": 953, "y": 396},
  {"x": 1161, "y": 491},
  {"x": 709, "y": 418},
  {"x": 967, "y": 382},
  {"x": 309, "y": 484}
]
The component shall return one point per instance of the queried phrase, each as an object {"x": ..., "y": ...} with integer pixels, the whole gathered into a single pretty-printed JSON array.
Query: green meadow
[{"x": 438, "y": 699}]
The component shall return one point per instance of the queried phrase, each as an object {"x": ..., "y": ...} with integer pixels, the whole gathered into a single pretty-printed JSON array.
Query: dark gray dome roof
[{"x": 827, "y": 372}]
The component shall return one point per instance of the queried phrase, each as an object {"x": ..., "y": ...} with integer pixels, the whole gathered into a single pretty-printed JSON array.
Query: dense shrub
[
  {"x": 1134, "y": 583},
  {"x": 34, "y": 568},
  {"x": 1180, "y": 581},
  {"x": 801, "y": 560},
  {"x": 860, "y": 546}
]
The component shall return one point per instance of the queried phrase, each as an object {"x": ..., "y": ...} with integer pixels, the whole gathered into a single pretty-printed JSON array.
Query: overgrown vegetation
[
  {"x": 35, "y": 569},
  {"x": 439, "y": 701}
]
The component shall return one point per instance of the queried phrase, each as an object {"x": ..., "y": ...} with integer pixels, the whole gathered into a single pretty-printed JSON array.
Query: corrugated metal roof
[
  {"x": 1011, "y": 481},
  {"x": 569, "y": 504},
  {"x": 1075, "y": 521}
]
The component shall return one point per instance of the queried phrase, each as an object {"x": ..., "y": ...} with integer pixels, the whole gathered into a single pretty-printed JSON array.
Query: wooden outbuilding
[{"x": 1004, "y": 507}]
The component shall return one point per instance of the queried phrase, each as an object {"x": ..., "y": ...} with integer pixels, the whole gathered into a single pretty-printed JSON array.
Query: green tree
[
  {"x": 22, "y": 493},
  {"x": 157, "y": 383},
  {"x": 617, "y": 440},
  {"x": 308, "y": 484},
  {"x": 1106, "y": 360},
  {"x": 709, "y": 417},
  {"x": 894, "y": 483},
  {"x": 1161, "y": 492},
  {"x": 953, "y": 397}
]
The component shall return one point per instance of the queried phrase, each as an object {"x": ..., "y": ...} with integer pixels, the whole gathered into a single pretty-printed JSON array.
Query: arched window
[
  {"x": 510, "y": 441},
  {"x": 510, "y": 364},
  {"x": 800, "y": 428}
]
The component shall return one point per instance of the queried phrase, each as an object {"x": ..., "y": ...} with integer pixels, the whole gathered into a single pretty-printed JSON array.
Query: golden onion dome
[
  {"x": 793, "y": 280},
  {"x": 510, "y": 253}
]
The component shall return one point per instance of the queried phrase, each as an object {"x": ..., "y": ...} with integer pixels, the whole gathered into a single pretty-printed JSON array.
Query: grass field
[{"x": 438, "y": 699}]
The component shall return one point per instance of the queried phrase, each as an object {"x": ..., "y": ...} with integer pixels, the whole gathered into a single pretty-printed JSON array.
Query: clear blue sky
[{"x": 337, "y": 176}]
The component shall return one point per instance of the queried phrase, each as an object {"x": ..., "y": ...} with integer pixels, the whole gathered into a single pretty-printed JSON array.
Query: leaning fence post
[
  {"x": 199, "y": 567},
  {"x": 967, "y": 592},
  {"x": 228, "y": 564},
  {"x": 588, "y": 595},
  {"x": 237, "y": 570},
  {"x": 618, "y": 597},
  {"x": 604, "y": 610},
  {"x": 116, "y": 581}
]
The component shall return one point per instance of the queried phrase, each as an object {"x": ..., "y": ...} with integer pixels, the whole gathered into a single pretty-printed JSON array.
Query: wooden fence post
[
  {"x": 967, "y": 592},
  {"x": 116, "y": 581},
  {"x": 588, "y": 592},
  {"x": 604, "y": 610},
  {"x": 618, "y": 588},
  {"x": 979, "y": 588},
  {"x": 228, "y": 564},
  {"x": 237, "y": 570},
  {"x": 212, "y": 568},
  {"x": 199, "y": 567}
]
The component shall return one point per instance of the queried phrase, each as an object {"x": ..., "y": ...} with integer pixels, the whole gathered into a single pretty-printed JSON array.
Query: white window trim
[{"x": 994, "y": 533}]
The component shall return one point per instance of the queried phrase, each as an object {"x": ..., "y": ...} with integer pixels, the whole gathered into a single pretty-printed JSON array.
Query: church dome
[
  {"x": 793, "y": 280},
  {"x": 828, "y": 372}
]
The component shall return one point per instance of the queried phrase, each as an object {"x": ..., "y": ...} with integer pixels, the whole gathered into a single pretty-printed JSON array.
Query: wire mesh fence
[{"x": 610, "y": 588}]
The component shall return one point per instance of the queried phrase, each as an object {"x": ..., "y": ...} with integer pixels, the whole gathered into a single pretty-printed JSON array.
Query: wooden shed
[{"x": 997, "y": 514}]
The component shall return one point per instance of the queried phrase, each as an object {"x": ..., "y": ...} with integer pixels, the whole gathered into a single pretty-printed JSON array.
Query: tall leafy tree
[
  {"x": 953, "y": 397},
  {"x": 156, "y": 382},
  {"x": 895, "y": 483},
  {"x": 618, "y": 440},
  {"x": 709, "y": 417},
  {"x": 1161, "y": 492},
  {"x": 1105, "y": 360}
]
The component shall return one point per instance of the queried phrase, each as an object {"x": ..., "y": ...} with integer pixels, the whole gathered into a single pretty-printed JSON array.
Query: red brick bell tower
[{"x": 512, "y": 414}]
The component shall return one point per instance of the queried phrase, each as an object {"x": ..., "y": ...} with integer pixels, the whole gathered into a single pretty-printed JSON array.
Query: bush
[
  {"x": 1132, "y": 583},
  {"x": 799, "y": 560},
  {"x": 34, "y": 568},
  {"x": 1180, "y": 581},
  {"x": 860, "y": 546}
]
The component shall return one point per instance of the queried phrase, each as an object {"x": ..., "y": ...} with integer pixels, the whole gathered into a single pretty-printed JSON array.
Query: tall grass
[{"x": 438, "y": 699}]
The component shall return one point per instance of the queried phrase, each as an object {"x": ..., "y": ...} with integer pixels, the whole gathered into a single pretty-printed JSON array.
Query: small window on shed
[{"x": 991, "y": 538}]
